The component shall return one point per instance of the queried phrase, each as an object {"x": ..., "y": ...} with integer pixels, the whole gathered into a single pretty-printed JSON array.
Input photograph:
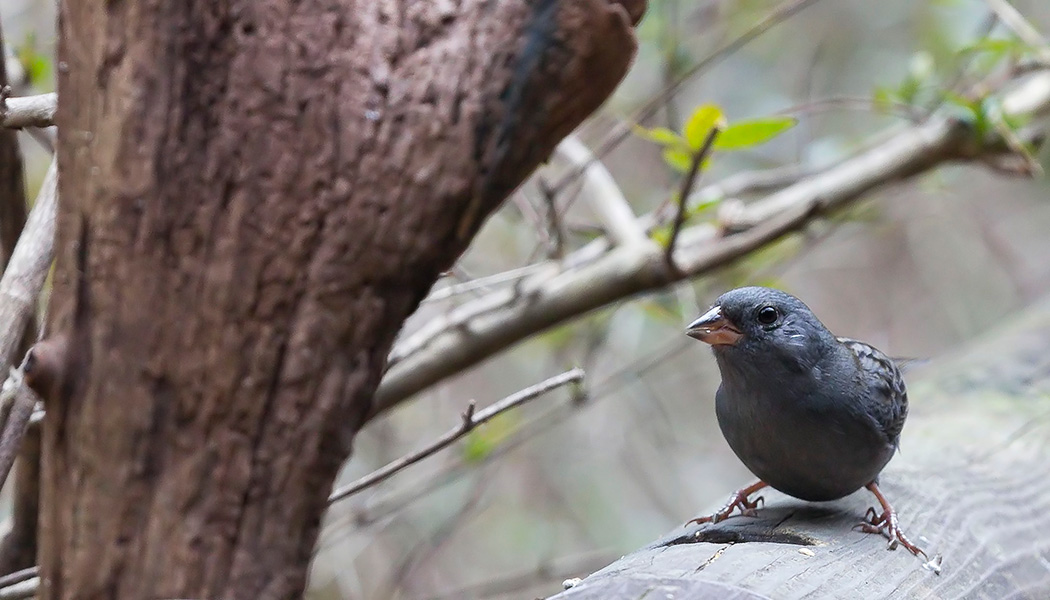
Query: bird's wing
[{"x": 889, "y": 397}]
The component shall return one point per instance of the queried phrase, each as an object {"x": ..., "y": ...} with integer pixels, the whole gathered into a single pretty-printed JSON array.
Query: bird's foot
[
  {"x": 886, "y": 524},
  {"x": 739, "y": 500}
]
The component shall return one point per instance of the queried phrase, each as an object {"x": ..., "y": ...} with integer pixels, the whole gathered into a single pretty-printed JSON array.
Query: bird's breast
[{"x": 801, "y": 440}]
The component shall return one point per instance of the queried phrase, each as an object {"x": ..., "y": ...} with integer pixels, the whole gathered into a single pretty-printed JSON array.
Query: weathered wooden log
[{"x": 970, "y": 485}]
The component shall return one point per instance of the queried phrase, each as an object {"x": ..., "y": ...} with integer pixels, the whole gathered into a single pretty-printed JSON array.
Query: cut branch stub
[{"x": 255, "y": 195}]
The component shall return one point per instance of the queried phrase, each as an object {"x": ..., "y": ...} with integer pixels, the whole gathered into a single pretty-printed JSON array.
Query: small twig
[
  {"x": 556, "y": 237},
  {"x": 851, "y": 103},
  {"x": 615, "y": 380},
  {"x": 687, "y": 187},
  {"x": 469, "y": 422},
  {"x": 537, "y": 221},
  {"x": 468, "y": 417},
  {"x": 482, "y": 283}
]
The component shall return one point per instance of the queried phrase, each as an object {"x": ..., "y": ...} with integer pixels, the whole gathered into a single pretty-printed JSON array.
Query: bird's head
[{"x": 754, "y": 321}]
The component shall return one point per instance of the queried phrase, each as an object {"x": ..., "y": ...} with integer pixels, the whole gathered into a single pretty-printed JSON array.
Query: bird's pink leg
[
  {"x": 737, "y": 500},
  {"x": 886, "y": 523}
]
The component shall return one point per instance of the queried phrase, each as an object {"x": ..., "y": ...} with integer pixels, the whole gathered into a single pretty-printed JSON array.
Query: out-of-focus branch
[
  {"x": 20, "y": 584},
  {"x": 687, "y": 187},
  {"x": 1020, "y": 25},
  {"x": 22, "y": 590},
  {"x": 604, "y": 196},
  {"x": 24, "y": 276},
  {"x": 22, "y": 401},
  {"x": 469, "y": 423},
  {"x": 19, "y": 545},
  {"x": 19, "y": 576},
  {"x": 26, "y": 271},
  {"x": 29, "y": 111},
  {"x": 558, "y": 291}
]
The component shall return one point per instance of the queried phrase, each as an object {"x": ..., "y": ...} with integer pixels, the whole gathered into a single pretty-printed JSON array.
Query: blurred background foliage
[{"x": 566, "y": 484}]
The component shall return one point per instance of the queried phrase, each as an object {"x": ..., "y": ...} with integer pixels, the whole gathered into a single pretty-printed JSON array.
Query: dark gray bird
[{"x": 812, "y": 415}]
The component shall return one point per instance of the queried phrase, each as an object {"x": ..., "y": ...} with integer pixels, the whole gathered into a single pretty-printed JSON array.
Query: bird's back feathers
[{"x": 889, "y": 395}]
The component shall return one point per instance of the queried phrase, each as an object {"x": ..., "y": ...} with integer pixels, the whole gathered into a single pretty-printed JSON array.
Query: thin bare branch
[
  {"x": 470, "y": 421},
  {"x": 687, "y": 188},
  {"x": 853, "y": 103},
  {"x": 481, "y": 284},
  {"x": 29, "y": 111},
  {"x": 556, "y": 243}
]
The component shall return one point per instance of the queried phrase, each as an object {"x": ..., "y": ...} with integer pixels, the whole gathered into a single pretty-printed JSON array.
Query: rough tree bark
[
  {"x": 254, "y": 195},
  {"x": 971, "y": 485}
]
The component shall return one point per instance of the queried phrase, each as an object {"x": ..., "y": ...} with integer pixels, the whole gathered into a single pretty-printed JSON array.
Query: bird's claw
[
  {"x": 738, "y": 500},
  {"x": 886, "y": 524}
]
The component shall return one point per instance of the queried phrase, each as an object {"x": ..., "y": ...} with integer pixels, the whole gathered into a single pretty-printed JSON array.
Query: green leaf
[
  {"x": 752, "y": 132},
  {"x": 660, "y": 135},
  {"x": 997, "y": 46},
  {"x": 700, "y": 123}
]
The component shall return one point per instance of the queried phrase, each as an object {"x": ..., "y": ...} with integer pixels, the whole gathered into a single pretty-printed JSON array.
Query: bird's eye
[{"x": 767, "y": 315}]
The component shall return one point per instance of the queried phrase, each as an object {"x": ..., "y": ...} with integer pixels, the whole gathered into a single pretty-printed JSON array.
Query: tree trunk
[
  {"x": 254, "y": 195},
  {"x": 970, "y": 485}
]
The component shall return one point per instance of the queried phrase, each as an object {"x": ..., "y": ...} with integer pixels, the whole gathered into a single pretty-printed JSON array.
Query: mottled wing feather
[{"x": 889, "y": 396}]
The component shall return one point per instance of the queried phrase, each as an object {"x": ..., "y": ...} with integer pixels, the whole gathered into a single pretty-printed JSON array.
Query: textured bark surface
[
  {"x": 971, "y": 484},
  {"x": 255, "y": 194}
]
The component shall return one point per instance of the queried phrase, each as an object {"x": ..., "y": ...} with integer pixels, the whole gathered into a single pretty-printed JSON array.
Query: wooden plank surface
[{"x": 971, "y": 485}]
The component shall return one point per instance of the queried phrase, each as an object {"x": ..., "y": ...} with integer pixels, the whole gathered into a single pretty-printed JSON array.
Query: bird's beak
[{"x": 712, "y": 327}]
